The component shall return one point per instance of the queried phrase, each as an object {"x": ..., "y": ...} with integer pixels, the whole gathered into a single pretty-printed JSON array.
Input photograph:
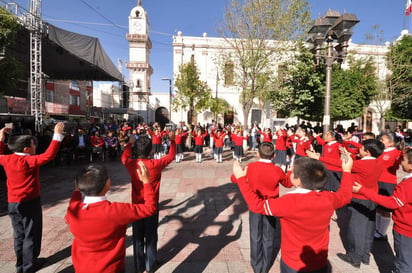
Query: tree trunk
[{"x": 246, "y": 110}]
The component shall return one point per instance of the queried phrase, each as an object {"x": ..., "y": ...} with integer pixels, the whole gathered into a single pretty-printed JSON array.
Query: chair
[{"x": 98, "y": 152}]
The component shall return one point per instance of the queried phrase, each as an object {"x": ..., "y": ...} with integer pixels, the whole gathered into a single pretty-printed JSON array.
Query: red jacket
[
  {"x": 330, "y": 150},
  {"x": 99, "y": 231},
  {"x": 305, "y": 218},
  {"x": 281, "y": 140},
  {"x": 93, "y": 141},
  {"x": 391, "y": 158},
  {"x": 218, "y": 140},
  {"x": 400, "y": 202},
  {"x": 199, "y": 139},
  {"x": 365, "y": 171},
  {"x": 266, "y": 137},
  {"x": 155, "y": 167},
  {"x": 179, "y": 138},
  {"x": 156, "y": 139},
  {"x": 23, "y": 182},
  {"x": 302, "y": 144},
  {"x": 238, "y": 139},
  {"x": 265, "y": 186}
]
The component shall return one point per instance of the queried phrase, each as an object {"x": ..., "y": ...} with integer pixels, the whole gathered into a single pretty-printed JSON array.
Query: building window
[
  {"x": 229, "y": 73},
  {"x": 49, "y": 96},
  {"x": 74, "y": 100},
  {"x": 74, "y": 85}
]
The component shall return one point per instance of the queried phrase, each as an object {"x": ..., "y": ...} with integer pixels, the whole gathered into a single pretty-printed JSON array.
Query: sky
[{"x": 108, "y": 21}]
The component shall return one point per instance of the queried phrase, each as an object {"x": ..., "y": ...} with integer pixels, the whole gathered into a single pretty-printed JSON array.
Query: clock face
[{"x": 137, "y": 26}]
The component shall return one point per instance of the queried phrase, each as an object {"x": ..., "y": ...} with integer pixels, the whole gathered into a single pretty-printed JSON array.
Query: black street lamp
[
  {"x": 330, "y": 28},
  {"x": 170, "y": 97}
]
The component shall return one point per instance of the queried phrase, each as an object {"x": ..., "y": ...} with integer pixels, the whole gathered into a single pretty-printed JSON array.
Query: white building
[
  {"x": 107, "y": 95},
  {"x": 139, "y": 66},
  {"x": 206, "y": 51}
]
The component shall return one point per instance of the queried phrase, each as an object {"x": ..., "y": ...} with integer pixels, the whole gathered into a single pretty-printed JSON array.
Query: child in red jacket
[
  {"x": 218, "y": 137},
  {"x": 99, "y": 226},
  {"x": 264, "y": 230},
  {"x": 401, "y": 204},
  {"x": 199, "y": 138},
  {"x": 23, "y": 184},
  {"x": 145, "y": 230},
  {"x": 304, "y": 213}
]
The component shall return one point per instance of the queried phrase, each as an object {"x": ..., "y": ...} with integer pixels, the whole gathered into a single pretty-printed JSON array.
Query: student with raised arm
[{"x": 304, "y": 213}]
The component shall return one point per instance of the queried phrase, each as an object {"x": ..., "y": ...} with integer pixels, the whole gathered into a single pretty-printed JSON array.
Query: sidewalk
[{"x": 203, "y": 227}]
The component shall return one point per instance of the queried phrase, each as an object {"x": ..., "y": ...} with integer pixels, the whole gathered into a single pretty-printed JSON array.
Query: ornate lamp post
[{"x": 330, "y": 28}]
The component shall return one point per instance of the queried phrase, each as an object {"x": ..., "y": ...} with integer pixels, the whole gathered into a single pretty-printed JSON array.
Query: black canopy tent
[
  {"x": 69, "y": 55},
  {"x": 66, "y": 55}
]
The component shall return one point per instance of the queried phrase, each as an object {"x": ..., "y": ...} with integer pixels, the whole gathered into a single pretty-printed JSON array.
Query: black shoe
[{"x": 348, "y": 259}]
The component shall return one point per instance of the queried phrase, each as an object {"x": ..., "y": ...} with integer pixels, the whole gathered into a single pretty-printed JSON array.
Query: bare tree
[{"x": 258, "y": 31}]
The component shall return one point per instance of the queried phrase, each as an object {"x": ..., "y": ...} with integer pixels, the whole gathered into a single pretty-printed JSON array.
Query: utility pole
[{"x": 35, "y": 63}]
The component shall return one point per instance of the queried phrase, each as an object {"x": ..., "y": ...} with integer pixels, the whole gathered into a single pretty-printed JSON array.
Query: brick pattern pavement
[{"x": 203, "y": 225}]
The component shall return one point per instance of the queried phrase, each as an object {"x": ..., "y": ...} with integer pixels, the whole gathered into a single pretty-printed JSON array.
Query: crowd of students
[{"x": 323, "y": 169}]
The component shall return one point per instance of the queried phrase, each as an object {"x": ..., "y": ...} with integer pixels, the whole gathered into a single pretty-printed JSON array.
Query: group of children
[
  {"x": 99, "y": 226},
  {"x": 323, "y": 185}
]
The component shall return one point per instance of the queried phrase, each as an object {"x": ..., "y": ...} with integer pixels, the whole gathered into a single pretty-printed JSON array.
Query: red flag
[{"x": 408, "y": 9}]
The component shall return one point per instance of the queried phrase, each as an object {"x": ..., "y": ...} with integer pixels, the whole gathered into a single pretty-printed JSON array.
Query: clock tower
[{"x": 139, "y": 63}]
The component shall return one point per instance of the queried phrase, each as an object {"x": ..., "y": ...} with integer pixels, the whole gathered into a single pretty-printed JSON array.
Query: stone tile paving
[{"x": 203, "y": 222}]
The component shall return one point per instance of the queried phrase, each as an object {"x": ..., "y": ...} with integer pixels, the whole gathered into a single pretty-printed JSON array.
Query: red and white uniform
[
  {"x": 391, "y": 158},
  {"x": 400, "y": 202},
  {"x": 99, "y": 230},
  {"x": 305, "y": 217}
]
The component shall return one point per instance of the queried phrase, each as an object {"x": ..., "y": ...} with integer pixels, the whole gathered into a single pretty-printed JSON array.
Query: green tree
[
  {"x": 218, "y": 106},
  {"x": 10, "y": 69},
  {"x": 250, "y": 28},
  {"x": 400, "y": 80},
  {"x": 192, "y": 93},
  {"x": 352, "y": 89},
  {"x": 301, "y": 87}
]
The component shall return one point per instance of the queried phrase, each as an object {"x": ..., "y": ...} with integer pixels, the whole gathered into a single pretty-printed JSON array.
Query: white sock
[
  {"x": 385, "y": 222},
  {"x": 220, "y": 158},
  {"x": 378, "y": 221}
]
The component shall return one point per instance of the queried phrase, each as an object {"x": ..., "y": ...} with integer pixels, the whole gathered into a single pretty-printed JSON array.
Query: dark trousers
[
  {"x": 27, "y": 220},
  {"x": 403, "y": 250},
  {"x": 333, "y": 179},
  {"x": 264, "y": 241},
  {"x": 361, "y": 226},
  {"x": 284, "y": 268},
  {"x": 145, "y": 237}
]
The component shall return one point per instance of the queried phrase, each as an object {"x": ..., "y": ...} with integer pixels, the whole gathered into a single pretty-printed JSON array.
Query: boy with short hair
[
  {"x": 145, "y": 230},
  {"x": 361, "y": 211},
  {"x": 99, "y": 226},
  {"x": 304, "y": 213},
  {"x": 23, "y": 184},
  {"x": 401, "y": 204},
  {"x": 264, "y": 229}
]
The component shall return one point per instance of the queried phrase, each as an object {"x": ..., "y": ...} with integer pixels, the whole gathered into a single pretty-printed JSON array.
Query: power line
[{"x": 101, "y": 15}]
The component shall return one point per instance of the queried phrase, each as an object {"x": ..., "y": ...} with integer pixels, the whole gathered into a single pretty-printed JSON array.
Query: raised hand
[
  {"x": 238, "y": 171},
  {"x": 59, "y": 128},
  {"x": 143, "y": 172},
  {"x": 356, "y": 188}
]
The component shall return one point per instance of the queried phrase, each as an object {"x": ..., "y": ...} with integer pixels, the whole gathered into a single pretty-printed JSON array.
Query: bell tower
[{"x": 139, "y": 67}]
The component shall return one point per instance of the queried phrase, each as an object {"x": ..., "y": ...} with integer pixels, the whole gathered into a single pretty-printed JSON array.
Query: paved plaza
[{"x": 203, "y": 225}]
